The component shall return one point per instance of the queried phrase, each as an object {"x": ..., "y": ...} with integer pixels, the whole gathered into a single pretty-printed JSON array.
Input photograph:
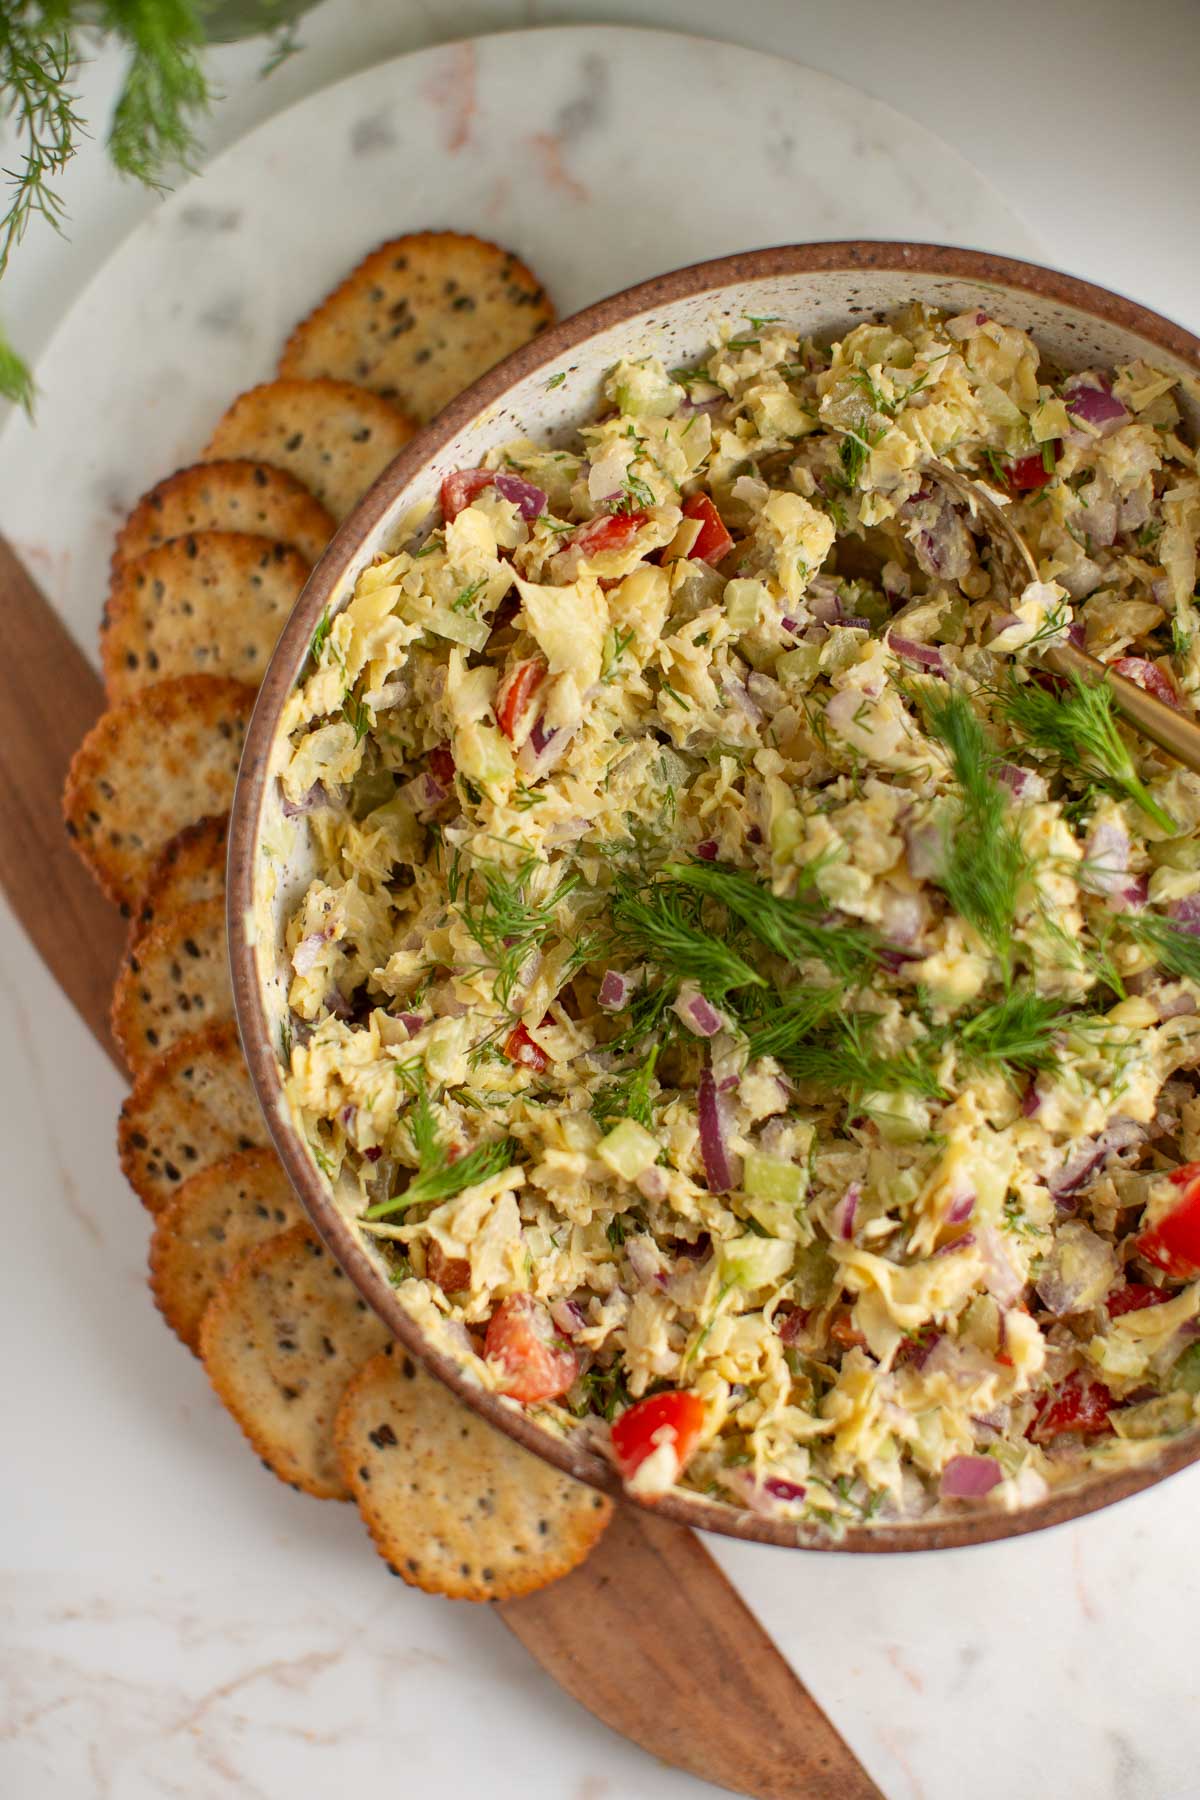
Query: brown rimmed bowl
[{"x": 544, "y": 391}]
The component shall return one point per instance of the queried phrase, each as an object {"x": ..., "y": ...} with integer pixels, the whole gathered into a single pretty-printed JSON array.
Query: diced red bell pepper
[
  {"x": 1133, "y": 1297},
  {"x": 1147, "y": 675},
  {"x": 533, "y": 1361},
  {"x": 845, "y": 1332},
  {"x": 516, "y": 691},
  {"x": 519, "y": 1047},
  {"x": 450, "y": 1273},
  {"x": 1172, "y": 1242},
  {"x": 460, "y": 487},
  {"x": 441, "y": 764},
  {"x": 713, "y": 542},
  {"x": 1079, "y": 1407},
  {"x": 607, "y": 531},
  {"x": 675, "y": 1418},
  {"x": 1029, "y": 473}
]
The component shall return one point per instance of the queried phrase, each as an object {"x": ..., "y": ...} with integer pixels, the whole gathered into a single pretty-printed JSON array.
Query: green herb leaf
[
  {"x": 662, "y": 924},
  {"x": 1178, "y": 951},
  {"x": 793, "y": 927},
  {"x": 1077, "y": 725},
  {"x": 438, "y": 1178},
  {"x": 985, "y": 863}
]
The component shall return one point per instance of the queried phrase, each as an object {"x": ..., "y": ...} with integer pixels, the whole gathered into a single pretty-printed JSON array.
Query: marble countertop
[{"x": 176, "y": 1624}]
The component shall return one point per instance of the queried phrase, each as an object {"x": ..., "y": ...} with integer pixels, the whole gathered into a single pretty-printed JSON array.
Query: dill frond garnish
[
  {"x": 786, "y": 1022},
  {"x": 500, "y": 915},
  {"x": 438, "y": 1178},
  {"x": 844, "y": 1057},
  {"x": 1177, "y": 950},
  {"x": 1077, "y": 725},
  {"x": 662, "y": 924},
  {"x": 627, "y": 1096},
  {"x": 985, "y": 863},
  {"x": 794, "y": 927},
  {"x": 1019, "y": 1031}
]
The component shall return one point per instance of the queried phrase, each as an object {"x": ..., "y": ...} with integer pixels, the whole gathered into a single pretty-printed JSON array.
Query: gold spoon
[{"x": 1170, "y": 729}]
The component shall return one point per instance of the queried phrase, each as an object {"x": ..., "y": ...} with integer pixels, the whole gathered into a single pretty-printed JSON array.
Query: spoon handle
[{"x": 1172, "y": 731}]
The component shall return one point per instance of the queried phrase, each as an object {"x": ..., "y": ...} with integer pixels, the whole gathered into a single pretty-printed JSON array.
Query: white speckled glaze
[
  {"x": 544, "y": 392},
  {"x": 603, "y": 156}
]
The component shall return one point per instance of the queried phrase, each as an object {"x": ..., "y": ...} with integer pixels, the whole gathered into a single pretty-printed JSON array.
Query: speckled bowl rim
[{"x": 922, "y": 261}]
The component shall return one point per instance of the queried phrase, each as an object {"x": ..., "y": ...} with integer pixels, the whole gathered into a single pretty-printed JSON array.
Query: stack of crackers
[{"x": 205, "y": 572}]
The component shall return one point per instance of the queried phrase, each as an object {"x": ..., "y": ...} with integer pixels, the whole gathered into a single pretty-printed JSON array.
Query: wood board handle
[{"x": 647, "y": 1634}]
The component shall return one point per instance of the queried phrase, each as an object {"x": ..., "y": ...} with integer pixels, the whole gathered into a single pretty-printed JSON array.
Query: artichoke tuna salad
[{"x": 749, "y": 1004}]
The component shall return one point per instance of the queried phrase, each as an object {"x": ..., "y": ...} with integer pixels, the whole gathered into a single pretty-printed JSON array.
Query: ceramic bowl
[{"x": 825, "y": 288}]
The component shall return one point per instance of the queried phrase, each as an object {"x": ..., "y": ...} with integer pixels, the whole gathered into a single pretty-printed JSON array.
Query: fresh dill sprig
[
  {"x": 1177, "y": 950},
  {"x": 794, "y": 927},
  {"x": 662, "y": 924},
  {"x": 627, "y": 1096},
  {"x": 1018, "y": 1031},
  {"x": 985, "y": 863},
  {"x": 438, "y": 1178},
  {"x": 500, "y": 915},
  {"x": 1077, "y": 725},
  {"x": 843, "y": 1057},
  {"x": 783, "y": 1024}
]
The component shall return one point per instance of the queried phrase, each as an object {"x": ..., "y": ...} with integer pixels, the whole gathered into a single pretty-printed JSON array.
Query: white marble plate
[{"x": 602, "y": 154}]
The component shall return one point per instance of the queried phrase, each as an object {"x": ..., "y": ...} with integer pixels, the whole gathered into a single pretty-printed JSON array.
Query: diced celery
[
  {"x": 459, "y": 627},
  {"x": 644, "y": 390},
  {"x": 1185, "y": 1373},
  {"x": 901, "y": 1118},
  {"x": 774, "y": 1192},
  {"x": 754, "y": 1262},
  {"x": 770, "y": 1178},
  {"x": 743, "y": 602},
  {"x": 628, "y": 1150},
  {"x": 483, "y": 754},
  {"x": 801, "y": 664}
]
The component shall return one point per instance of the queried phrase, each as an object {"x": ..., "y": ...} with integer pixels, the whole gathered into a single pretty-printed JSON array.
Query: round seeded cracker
[
  {"x": 280, "y": 1340},
  {"x": 421, "y": 318},
  {"x": 226, "y": 496},
  {"x": 173, "y": 980},
  {"x": 334, "y": 437},
  {"x": 190, "y": 1107},
  {"x": 190, "y": 867},
  {"x": 150, "y": 766},
  {"x": 453, "y": 1505},
  {"x": 216, "y": 1217},
  {"x": 210, "y": 604}
]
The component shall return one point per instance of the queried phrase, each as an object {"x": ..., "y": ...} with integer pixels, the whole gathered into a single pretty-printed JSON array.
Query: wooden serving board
[{"x": 647, "y": 1634}]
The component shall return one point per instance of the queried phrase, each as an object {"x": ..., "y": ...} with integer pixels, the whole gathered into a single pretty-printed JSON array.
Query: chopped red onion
[
  {"x": 1031, "y": 1101},
  {"x": 373, "y": 1152},
  {"x": 844, "y": 1213},
  {"x": 792, "y": 626},
  {"x": 923, "y": 656},
  {"x": 651, "y": 1184},
  {"x": 1185, "y": 914},
  {"x": 728, "y": 1086},
  {"x": 568, "y": 1317},
  {"x": 855, "y": 622},
  {"x": 1105, "y": 869},
  {"x": 295, "y": 809},
  {"x": 959, "y": 1243},
  {"x": 615, "y": 990},
  {"x": 1147, "y": 675},
  {"x": 1024, "y": 784},
  {"x": 1002, "y": 1280},
  {"x": 1090, "y": 399},
  {"x": 779, "y": 1489},
  {"x": 970, "y": 1477},
  {"x": 412, "y": 1022},
  {"x": 646, "y": 1261},
  {"x": 718, "y": 1170},
  {"x": 707, "y": 851},
  {"x": 542, "y": 750},
  {"x": 1067, "y": 1182},
  {"x": 960, "y": 1209},
  {"x": 308, "y": 951},
  {"x": 698, "y": 1014},
  {"x": 529, "y": 501},
  {"x": 925, "y": 846},
  {"x": 737, "y": 691}
]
